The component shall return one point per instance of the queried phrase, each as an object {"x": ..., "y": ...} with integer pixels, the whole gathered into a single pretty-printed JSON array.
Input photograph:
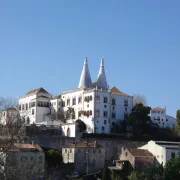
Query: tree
[
  {"x": 172, "y": 169},
  {"x": 178, "y": 119},
  {"x": 137, "y": 98},
  {"x": 139, "y": 118},
  {"x": 12, "y": 130},
  {"x": 156, "y": 173},
  {"x": 136, "y": 176},
  {"x": 105, "y": 175}
]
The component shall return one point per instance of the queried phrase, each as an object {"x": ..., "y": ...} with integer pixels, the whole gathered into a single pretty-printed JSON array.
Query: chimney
[{"x": 95, "y": 144}]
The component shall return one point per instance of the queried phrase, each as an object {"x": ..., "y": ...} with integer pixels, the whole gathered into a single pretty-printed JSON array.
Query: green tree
[
  {"x": 156, "y": 173},
  {"x": 53, "y": 158},
  {"x": 139, "y": 118},
  {"x": 172, "y": 170},
  {"x": 178, "y": 119},
  {"x": 105, "y": 175},
  {"x": 136, "y": 176}
]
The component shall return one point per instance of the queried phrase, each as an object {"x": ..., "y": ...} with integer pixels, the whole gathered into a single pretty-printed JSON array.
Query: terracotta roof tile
[
  {"x": 116, "y": 91},
  {"x": 157, "y": 109},
  {"x": 83, "y": 145},
  {"x": 139, "y": 152}
]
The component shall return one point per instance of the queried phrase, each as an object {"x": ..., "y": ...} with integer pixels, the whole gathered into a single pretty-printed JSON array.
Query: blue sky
[{"x": 43, "y": 43}]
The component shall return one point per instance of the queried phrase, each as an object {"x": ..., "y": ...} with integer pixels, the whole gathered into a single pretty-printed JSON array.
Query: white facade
[
  {"x": 98, "y": 106},
  {"x": 163, "y": 150},
  {"x": 158, "y": 116}
]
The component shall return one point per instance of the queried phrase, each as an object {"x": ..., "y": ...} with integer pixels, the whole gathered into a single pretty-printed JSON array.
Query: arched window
[{"x": 27, "y": 120}]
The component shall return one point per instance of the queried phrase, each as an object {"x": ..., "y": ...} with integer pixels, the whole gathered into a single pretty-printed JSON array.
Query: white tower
[
  {"x": 101, "y": 79},
  {"x": 85, "y": 79}
]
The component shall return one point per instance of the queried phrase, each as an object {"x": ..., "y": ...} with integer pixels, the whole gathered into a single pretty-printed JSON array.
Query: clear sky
[{"x": 43, "y": 43}]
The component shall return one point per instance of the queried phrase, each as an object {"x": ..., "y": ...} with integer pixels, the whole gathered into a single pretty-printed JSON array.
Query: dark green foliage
[
  {"x": 105, "y": 175},
  {"x": 178, "y": 119},
  {"x": 53, "y": 158}
]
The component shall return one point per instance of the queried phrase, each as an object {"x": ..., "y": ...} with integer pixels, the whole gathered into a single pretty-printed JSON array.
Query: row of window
[
  {"x": 157, "y": 112},
  {"x": 84, "y": 151}
]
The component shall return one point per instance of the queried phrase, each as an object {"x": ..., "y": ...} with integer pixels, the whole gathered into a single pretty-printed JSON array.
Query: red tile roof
[
  {"x": 158, "y": 109},
  {"x": 116, "y": 91},
  {"x": 83, "y": 145}
]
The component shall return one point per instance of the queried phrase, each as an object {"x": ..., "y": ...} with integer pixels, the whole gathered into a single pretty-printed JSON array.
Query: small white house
[
  {"x": 159, "y": 116},
  {"x": 163, "y": 150}
]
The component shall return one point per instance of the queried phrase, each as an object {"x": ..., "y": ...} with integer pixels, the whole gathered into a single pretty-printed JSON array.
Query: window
[
  {"x": 26, "y": 106},
  {"x": 79, "y": 150},
  {"x": 158, "y": 118},
  {"x": 113, "y": 101},
  {"x": 102, "y": 128},
  {"x": 126, "y": 153},
  {"x": 125, "y": 102},
  {"x": 29, "y": 105},
  {"x": 74, "y": 101},
  {"x": 31, "y": 158},
  {"x": 105, "y": 113},
  {"x": 97, "y": 112},
  {"x": 20, "y": 107},
  {"x": 113, "y": 123},
  {"x": 114, "y": 115},
  {"x": 90, "y": 98},
  {"x": 70, "y": 151},
  {"x": 90, "y": 113},
  {"x": 97, "y": 98},
  {"x": 161, "y": 112},
  {"x": 113, "y": 108},
  {"x": 162, "y": 119},
  {"x": 68, "y": 102},
  {"x": 158, "y": 111},
  {"x": 63, "y": 104},
  {"x": 32, "y": 111},
  {"x": 126, "y": 109},
  {"x": 79, "y": 99},
  {"x": 65, "y": 150},
  {"x": 105, "y": 106},
  {"x": 33, "y": 104},
  {"x": 105, "y": 122},
  {"x": 173, "y": 155},
  {"x": 166, "y": 119},
  {"x": 157, "y": 156},
  {"x": 100, "y": 151},
  {"x": 97, "y": 121},
  {"x": 40, "y": 158},
  {"x": 105, "y": 99}
]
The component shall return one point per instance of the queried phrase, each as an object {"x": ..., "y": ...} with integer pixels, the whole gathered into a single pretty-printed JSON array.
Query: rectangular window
[
  {"x": 102, "y": 128},
  {"x": 105, "y": 100},
  {"x": 29, "y": 105},
  {"x": 97, "y": 98},
  {"x": 74, "y": 101},
  {"x": 26, "y": 106},
  {"x": 125, "y": 102},
  {"x": 105, "y": 122},
  {"x": 105, "y": 113},
  {"x": 173, "y": 155},
  {"x": 32, "y": 111},
  {"x": 19, "y": 107},
  {"x": 79, "y": 99},
  {"x": 126, "y": 154},
  {"x": 113, "y": 101},
  {"x": 114, "y": 115},
  {"x": 68, "y": 102},
  {"x": 63, "y": 104},
  {"x": 22, "y": 107},
  {"x": 97, "y": 112}
]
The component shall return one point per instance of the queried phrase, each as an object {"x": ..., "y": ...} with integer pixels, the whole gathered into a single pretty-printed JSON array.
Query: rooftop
[
  {"x": 140, "y": 152},
  {"x": 116, "y": 91},
  {"x": 38, "y": 90},
  {"x": 158, "y": 109},
  {"x": 22, "y": 147},
  {"x": 83, "y": 145}
]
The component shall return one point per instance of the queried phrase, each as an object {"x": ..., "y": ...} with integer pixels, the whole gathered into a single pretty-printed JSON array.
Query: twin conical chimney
[{"x": 85, "y": 79}]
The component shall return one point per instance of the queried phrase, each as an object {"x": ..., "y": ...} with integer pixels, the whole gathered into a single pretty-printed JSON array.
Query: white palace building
[{"x": 97, "y": 105}]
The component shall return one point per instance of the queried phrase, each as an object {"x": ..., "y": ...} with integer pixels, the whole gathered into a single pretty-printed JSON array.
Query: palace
[{"x": 97, "y": 105}]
